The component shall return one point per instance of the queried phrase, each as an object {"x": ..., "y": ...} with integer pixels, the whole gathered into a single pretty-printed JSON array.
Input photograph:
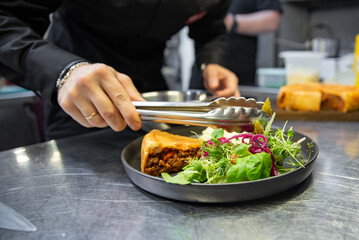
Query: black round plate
[{"x": 215, "y": 193}]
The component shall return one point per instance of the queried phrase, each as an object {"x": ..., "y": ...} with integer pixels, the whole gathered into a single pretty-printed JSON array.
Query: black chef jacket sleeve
[
  {"x": 25, "y": 58},
  {"x": 209, "y": 35}
]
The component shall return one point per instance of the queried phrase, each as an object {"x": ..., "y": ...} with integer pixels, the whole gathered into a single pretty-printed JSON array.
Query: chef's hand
[
  {"x": 220, "y": 81},
  {"x": 96, "y": 95},
  {"x": 228, "y": 21}
]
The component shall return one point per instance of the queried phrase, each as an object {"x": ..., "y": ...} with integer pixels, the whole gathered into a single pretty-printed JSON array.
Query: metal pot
[{"x": 329, "y": 46}]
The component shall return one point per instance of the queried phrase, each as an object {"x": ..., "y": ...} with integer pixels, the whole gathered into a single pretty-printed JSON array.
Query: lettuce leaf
[
  {"x": 251, "y": 167},
  {"x": 193, "y": 172}
]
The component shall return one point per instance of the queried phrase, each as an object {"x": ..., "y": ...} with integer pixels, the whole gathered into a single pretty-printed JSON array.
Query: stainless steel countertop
[{"x": 76, "y": 188}]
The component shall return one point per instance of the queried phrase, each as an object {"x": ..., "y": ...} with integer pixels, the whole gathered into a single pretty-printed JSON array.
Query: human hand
[
  {"x": 228, "y": 21},
  {"x": 220, "y": 81},
  {"x": 96, "y": 95}
]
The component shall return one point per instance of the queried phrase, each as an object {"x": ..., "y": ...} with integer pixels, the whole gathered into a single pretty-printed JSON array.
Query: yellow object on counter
[{"x": 356, "y": 60}]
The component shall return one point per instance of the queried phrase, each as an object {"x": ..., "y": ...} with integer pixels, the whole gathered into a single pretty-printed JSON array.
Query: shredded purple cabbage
[{"x": 259, "y": 144}]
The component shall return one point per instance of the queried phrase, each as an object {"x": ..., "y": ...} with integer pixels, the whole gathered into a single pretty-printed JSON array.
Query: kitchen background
[
  {"x": 301, "y": 22},
  {"x": 335, "y": 21}
]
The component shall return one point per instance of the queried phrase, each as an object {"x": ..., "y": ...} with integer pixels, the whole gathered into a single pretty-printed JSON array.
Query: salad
[{"x": 236, "y": 157}]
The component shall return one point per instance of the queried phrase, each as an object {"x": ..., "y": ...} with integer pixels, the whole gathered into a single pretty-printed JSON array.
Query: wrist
[
  {"x": 234, "y": 28},
  {"x": 203, "y": 66},
  {"x": 65, "y": 73}
]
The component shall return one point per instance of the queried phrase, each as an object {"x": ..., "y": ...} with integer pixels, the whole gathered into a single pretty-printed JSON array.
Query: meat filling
[
  {"x": 170, "y": 161},
  {"x": 331, "y": 102}
]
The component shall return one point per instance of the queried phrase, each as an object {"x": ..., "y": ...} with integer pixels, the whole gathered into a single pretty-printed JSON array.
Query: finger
[
  {"x": 75, "y": 113},
  {"x": 227, "y": 92},
  {"x": 211, "y": 78},
  {"x": 90, "y": 112},
  {"x": 108, "y": 111},
  {"x": 122, "y": 101},
  {"x": 228, "y": 86},
  {"x": 99, "y": 110},
  {"x": 129, "y": 86}
]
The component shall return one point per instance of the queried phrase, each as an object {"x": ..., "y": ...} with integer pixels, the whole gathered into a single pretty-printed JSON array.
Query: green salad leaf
[
  {"x": 191, "y": 172},
  {"x": 217, "y": 133},
  {"x": 251, "y": 167},
  {"x": 242, "y": 150}
]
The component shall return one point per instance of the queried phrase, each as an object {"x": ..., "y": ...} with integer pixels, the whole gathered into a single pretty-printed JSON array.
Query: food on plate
[
  {"x": 267, "y": 108},
  {"x": 236, "y": 157},
  {"x": 224, "y": 157},
  {"x": 165, "y": 152},
  {"x": 218, "y": 156},
  {"x": 317, "y": 97}
]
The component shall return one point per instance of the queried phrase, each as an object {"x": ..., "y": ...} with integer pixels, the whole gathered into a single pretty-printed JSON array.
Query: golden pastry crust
[
  {"x": 165, "y": 152},
  {"x": 316, "y": 97},
  {"x": 305, "y": 97},
  {"x": 342, "y": 98}
]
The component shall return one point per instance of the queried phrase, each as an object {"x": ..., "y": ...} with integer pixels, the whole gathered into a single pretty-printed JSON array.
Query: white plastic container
[
  {"x": 302, "y": 66},
  {"x": 271, "y": 77}
]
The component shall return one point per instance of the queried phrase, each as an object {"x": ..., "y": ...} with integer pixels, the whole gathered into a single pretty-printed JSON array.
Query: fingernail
[{"x": 136, "y": 126}]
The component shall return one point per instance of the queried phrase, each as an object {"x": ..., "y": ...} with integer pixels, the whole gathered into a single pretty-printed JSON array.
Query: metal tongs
[{"x": 234, "y": 114}]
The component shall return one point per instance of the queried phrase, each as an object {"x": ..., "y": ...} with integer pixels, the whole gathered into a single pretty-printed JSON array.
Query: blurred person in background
[
  {"x": 246, "y": 19},
  {"x": 99, "y": 55}
]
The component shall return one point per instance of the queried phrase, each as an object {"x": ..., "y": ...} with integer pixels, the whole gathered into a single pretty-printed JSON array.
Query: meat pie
[
  {"x": 165, "y": 152},
  {"x": 316, "y": 97}
]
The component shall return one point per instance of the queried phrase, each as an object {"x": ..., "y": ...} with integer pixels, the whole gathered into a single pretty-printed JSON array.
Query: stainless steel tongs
[{"x": 230, "y": 113}]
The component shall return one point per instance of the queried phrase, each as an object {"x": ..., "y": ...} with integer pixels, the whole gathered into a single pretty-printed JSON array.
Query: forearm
[
  {"x": 25, "y": 58},
  {"x": 258, "y": 22},
  {"x": 211, "y": 52},
  {"x": 209, "y": 35}
]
